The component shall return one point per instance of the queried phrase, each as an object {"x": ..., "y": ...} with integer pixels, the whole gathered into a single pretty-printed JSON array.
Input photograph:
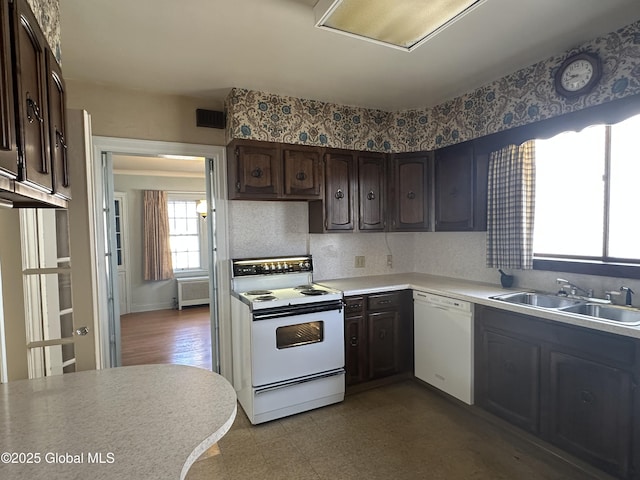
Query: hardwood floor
[{"x": 167, "y": 336}]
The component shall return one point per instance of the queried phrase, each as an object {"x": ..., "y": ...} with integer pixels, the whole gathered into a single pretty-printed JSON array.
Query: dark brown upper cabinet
[
  {"x": 33, "y": 157},
  {"x": 372, "y": 191},
  {"x": 336, "y": 213},
  {"x": 460, "y": 180},
  {"x": 409, "y": 192},
  {"x": 273, "y": 171},
  {"x": 8, "y": 146},
  {"x": 302, "y": 172},
  {"x": 58, "y": 128},
  {"x": 34, "y": 160}
]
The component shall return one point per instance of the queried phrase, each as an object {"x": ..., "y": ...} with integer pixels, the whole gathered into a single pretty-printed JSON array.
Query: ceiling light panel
[{"x": 403, "y": 24}]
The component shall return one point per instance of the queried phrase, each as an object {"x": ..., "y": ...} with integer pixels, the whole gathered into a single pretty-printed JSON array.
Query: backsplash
[{"x": 523, "y": 97}]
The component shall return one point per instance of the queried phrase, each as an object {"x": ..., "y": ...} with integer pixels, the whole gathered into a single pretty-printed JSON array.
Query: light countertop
[
  {"x": 142, "y": 422},
  {"x": 475, "y": 292}
]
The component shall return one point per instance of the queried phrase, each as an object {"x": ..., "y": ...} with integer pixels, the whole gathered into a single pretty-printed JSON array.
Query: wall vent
[
  {"x": 209, "y": 118},
  {"x": 193, "y": 291}
]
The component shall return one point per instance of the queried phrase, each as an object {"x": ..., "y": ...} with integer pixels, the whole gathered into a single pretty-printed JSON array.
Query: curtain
[
  {"x": 510, "y": 207},
  {"x": 157, "y": 251}
]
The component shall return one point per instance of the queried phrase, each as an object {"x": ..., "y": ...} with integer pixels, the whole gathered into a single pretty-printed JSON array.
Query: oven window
[{"x": 299, "y": 334}]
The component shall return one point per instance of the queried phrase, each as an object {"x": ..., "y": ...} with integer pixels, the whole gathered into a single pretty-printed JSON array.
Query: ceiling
[
  {"x": 191, "y": 167},
  {"x": 203, "y": 48}
]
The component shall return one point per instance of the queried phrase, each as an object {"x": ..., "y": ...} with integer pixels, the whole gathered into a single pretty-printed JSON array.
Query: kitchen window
[
  {"x": 586, "y": 197},
  {"x": 186, "y": 236}
]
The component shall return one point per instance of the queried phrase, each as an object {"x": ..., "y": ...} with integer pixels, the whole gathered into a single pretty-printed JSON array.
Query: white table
[{"x": 139, "y": 422}]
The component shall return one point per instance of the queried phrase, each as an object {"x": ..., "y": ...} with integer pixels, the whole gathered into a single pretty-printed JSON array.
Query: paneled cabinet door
[
  {"x": 8, "y": 146},
  {"x": 339, "y": 196},
  {"x": 590, "y": 407},
  {"x": 355, "y": 349},
  {"x": 455, "y": 188},
  {"x": 410, "y": 192},
  {"x": 257, "y": 171},
  {"x": 384, "y": 343},
  {"x": 509, "y": 379},
  {"x": 371, "y": 192},
  {"x": 57, "y": 128},
  {"x": 31, "y": 82},
  {"x": 302, "y": 173}
]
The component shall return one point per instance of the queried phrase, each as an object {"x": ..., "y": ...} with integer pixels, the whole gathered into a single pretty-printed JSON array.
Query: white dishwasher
[{"x": 443, "y": 343}]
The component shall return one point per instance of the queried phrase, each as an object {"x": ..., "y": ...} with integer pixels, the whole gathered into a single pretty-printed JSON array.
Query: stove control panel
[{"x": 273, "y": 265}]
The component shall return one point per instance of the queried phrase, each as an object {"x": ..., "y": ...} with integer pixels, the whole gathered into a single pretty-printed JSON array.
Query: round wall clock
[{"x": 578, "y": 74}]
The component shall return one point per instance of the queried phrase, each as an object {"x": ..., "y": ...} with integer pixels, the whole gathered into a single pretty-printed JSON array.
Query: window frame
[
  {"x": 604, "y": 265},
  {"x": 202, "y": 235}
]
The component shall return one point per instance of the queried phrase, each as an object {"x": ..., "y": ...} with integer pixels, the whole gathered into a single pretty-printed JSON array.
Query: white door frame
[{"x": 220, "y": 269}]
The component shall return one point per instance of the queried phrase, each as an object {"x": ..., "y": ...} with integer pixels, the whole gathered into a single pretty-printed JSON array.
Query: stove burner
[
  {"x": 258, "y": 292},
  {"x": 312, "y": 291},
  {"x": 265, "y": 298}
]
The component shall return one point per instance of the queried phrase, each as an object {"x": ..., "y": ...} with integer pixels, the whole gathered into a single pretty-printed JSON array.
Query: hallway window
[{"x": 185, "y": 234}]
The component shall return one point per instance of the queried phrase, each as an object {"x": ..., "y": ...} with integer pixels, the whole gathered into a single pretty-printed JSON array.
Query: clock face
[{"x": 577, "y": 75}]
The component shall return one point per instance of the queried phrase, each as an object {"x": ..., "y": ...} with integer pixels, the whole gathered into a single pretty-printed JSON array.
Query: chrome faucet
[
  {"x": 574, "y": 288},
  {"x": 629, "y": 293}
]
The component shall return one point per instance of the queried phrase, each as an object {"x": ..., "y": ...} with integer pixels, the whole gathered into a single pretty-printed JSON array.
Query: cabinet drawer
[
  {"x": 353, "y": 306},
  {"x": 384, "y": 301}
]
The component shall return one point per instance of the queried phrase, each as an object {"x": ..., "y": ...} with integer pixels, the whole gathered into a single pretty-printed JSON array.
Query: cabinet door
[
  {"x": 371, "y": 192},
  {"x": 590, "y": 407},
  {"x": 8, "y": 147},
  {"x": 454, "y": 188},
  {"x": 34, "y": 165},
  {"x": 257, "y": 171},
  {"x": 509, "y": 379},
  {"x": 384, "y": 344},
  {"x": 57, "y": 128},
  {"x": 339, "y": 196},
  {"x": 355, "y": 349},
  {"x": 302, "y": 173},
  {"x": 410, "y": 192}
]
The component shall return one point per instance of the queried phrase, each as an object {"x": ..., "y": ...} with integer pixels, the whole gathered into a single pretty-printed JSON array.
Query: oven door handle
[
  {"x": 300, "y": 381},
  {"x": 292, "y": 311}
]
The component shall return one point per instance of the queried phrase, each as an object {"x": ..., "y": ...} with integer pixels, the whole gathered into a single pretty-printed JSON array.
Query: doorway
[{"x": 105, "y": 149}]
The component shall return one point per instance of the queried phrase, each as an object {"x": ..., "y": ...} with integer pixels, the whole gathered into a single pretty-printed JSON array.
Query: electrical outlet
[
  {"x": 359, "y": 261},
  {"x": 390, "y": 261}
]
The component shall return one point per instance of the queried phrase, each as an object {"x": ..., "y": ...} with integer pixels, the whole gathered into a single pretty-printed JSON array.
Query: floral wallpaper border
[
  {"x": 47, "y": 13},
  {"x": 517, "y": 99}
]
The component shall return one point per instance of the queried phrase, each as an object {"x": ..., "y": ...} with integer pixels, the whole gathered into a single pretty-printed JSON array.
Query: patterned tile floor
[{"x": 400, "y": 431}]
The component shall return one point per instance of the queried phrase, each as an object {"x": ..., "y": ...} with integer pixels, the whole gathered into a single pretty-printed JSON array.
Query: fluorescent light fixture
[{"x": 401, "y": 24}]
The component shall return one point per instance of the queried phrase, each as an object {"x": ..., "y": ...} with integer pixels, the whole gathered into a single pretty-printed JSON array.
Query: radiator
[{"x": 193, "y": 291}]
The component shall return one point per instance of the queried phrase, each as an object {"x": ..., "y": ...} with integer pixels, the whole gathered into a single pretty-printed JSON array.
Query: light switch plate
[{"x": 359, "y": 261}]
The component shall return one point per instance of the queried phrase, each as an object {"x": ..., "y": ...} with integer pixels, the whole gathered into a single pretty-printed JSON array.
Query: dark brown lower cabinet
[
  {"x": 573, "y": 387},
  {"x": 378, "y": 335}
]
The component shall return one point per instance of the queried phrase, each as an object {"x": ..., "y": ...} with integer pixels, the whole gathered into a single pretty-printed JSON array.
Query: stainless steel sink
[
  {"x": 615, "y": 313},
  {"x": 541, "y": 300}
]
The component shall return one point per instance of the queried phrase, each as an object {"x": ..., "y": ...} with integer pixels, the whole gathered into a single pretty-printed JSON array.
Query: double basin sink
[{"x": 601, "y": 311}]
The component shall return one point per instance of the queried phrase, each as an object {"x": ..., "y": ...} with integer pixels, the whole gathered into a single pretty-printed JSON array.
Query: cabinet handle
[
  {"x": 382, "y": 334},
  {"x": 60, "y": 139},
  {"x": 510, "y": 367},
  {"x": 301, "y": 176},
  {"x": 354, "y": 341},
  {"x": 257, "y": 173},
  {"x": 371, "y": 195},
  {"x": 339, "y": 194},
  {"x": 32, "y": 106},
  {"x": 411, "y": 195},
  {"x": 384, "y": 302},
  {"x": 587, "y": 397}
]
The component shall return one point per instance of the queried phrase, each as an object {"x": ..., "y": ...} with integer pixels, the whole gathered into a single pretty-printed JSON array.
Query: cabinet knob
[
  {"x": 510, "y": 367},
  {"x": 587, "y": 397},
  {"x": 411, "y": 195},
  {"x": 339, "y": 194},
  {"x": 257, "y": 173},
  {"x": 354, "y": 341},
  {"x": 301, "y": 176},
  {"x": 382, "y": 334},
  {"x": 371, "y": 195}
]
